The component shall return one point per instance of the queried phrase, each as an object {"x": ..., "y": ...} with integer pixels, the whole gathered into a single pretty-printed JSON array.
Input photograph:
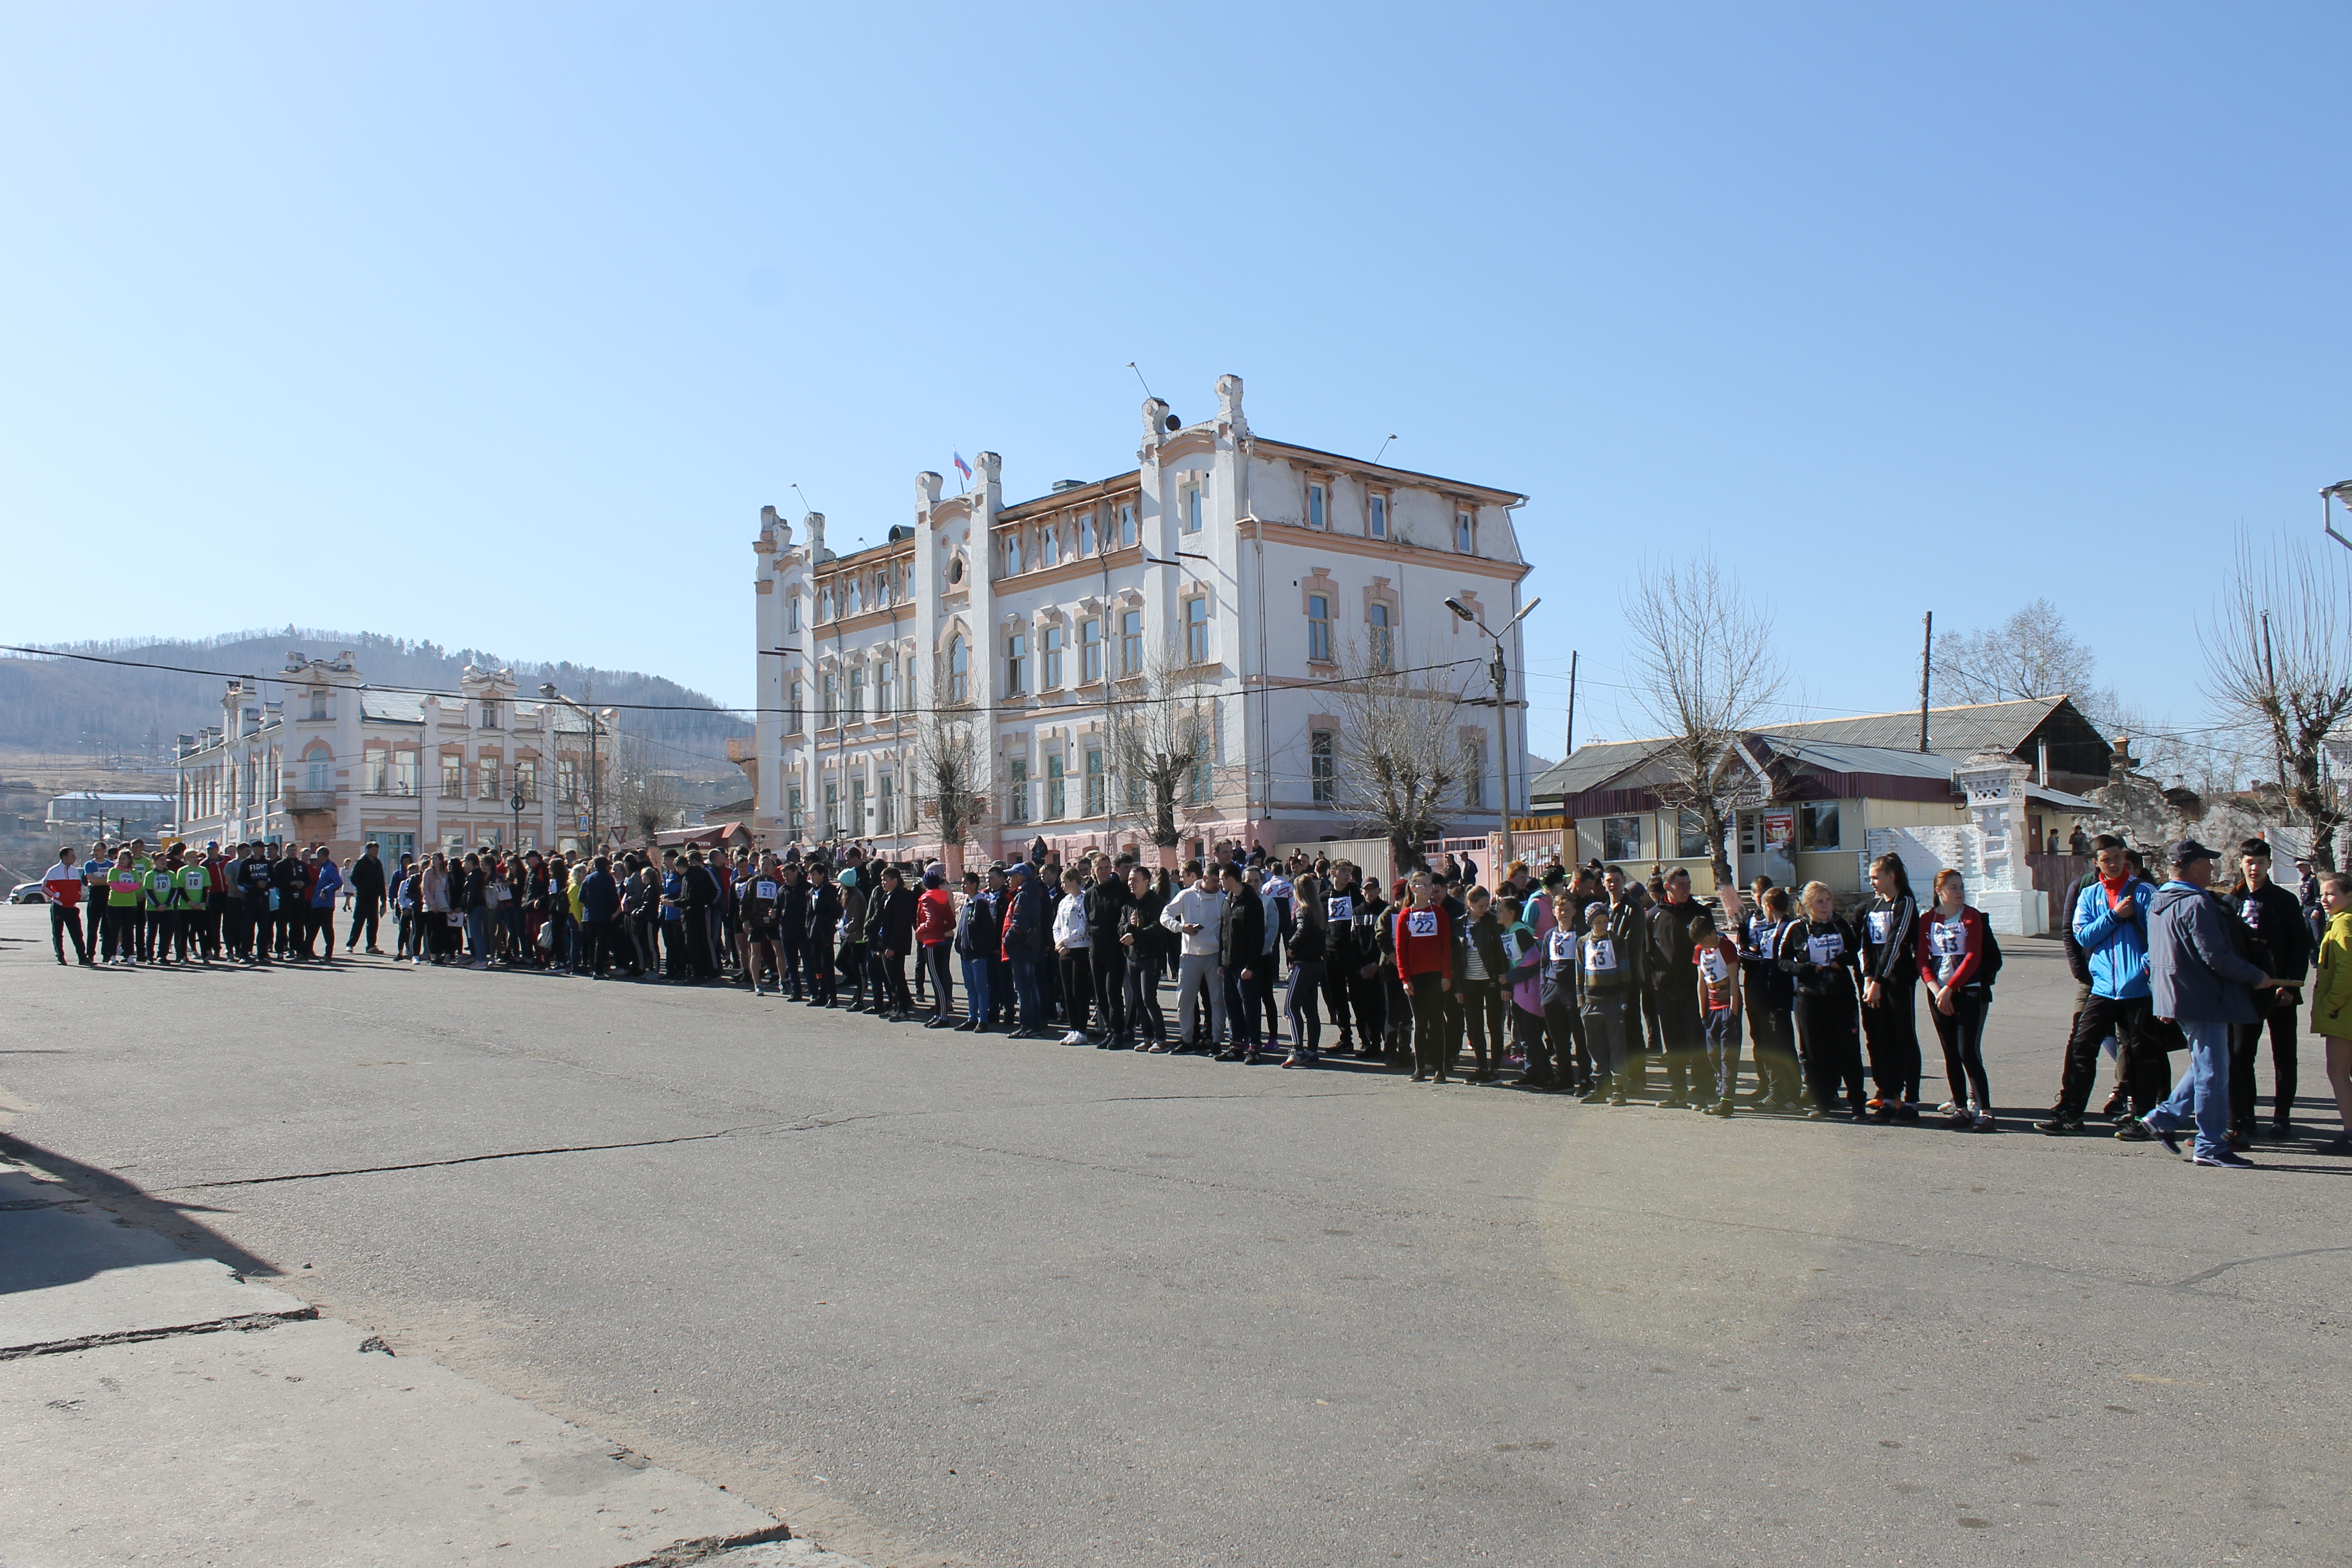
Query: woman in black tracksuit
[
  {"x": 1147, "y": 956},
  {"x": 1889, "y": 929},
  {"x": 1310, "y": 936},
  {"x": 1821, "y": 954}
]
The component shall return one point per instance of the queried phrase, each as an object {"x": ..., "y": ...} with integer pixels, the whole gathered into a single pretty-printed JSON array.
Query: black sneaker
[
  {"x": 2131, "y": 1130},
  {"x": 2059, "y": 1122}
]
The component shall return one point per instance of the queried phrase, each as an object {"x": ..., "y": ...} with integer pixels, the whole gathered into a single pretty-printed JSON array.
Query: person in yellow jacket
[{"x": 2331, "y": 998}]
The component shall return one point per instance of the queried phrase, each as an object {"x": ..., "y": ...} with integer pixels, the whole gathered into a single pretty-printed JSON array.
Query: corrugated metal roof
[
  {"x": 1591, "y": 766},
  {"x": 1837, "y": 758},
  {"x": 1951, "y": 732}
]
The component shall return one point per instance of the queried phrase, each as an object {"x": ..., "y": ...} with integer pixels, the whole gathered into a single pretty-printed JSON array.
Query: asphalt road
[{"x": 941, "y": 1299}]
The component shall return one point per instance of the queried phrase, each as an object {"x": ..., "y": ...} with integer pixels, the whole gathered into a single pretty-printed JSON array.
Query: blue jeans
[
  {"x": 477, "y": 932},
  {"x": 2204, "y": 1093},
  {"x": 1723, "y": 1052},
  {"x": 1025, "y": 987},
  {"x": 976, "y": 994}
]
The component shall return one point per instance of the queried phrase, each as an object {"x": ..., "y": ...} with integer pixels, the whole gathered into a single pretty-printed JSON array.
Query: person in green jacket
[
  {"x": 123, "y": 895},
  {"x": 142, "y": 929},
  {"x": 190, "y": 890},
  {"x": 162, "y": 906},
  {"x": 2331, "y": 998}
]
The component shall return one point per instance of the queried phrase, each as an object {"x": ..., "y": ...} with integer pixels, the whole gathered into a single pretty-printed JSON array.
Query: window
[
  {"x": 1318, "y": 507},
  {"x": 315, "y": 778},
  {"x": 1196, "y": 631},
  {"x": 1097, "y": 784},
  {"x": 857, "y": 694},
  {"x": 1125, "y": 526},
  {"x": 883, "y": 681},
  {"x": 567, "y": 779},
  {"x": 1474, "y": 772},
  {"x": 1085, "y": 533},
  {"x": 527, "y": 778},
  {"x": 1016, "y": 790},
  {"x": 830, "y": 710},
  {"x": 1323, "y": 766},
  {"x": 1011, "y": 554},
  {"x": 1130, "y": 643},
  {"x": 1620, "y": 838},
  {"x": 1319, "y": 628},
  {"x": 404, "y": 773},
  {"x": 1049, "y": 546},
  {"x": 881, "y": 588},
  {"x": 489, "y": 715},
  {"x": 792, "y": 612},
  {"x": 1817, "y": 825},
  {"x": 453, "y": 775},
  {"x": 1465, "y": 533},
  {"x": 1050, "y": 653},
  {"x": 1192, "y": 509},
  {"x": 832, "y": 810},
  {"x": 1057, "y": 787},
  {"x": 1196, "y": 786},
  {"x": 825, "y": 603},
  {"x": 379, "y": 770},
  {"x": 1690, "y": 836},
  {"x": 1016, "y": 664},
  {"x": 851, "y": 602},
  {"x": 886, "y": 816},
  {"x": 959, "y": 671},
  {"x": 793, "y": 710},
  {"x": 1376, "y": 518},
  {"x": 955, "y": 571},
  {"x": 1090, "y": 651},
  {"x": 793, "y": 808},
  {"x": 488, "y": 778},
  {"x": 1383, "y": 635},
  {"x": 857, "y": 806}
]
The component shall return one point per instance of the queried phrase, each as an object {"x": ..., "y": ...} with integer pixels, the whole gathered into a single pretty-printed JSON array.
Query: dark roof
[
  {"x": 1591, "y": 765},
  {"x": 1951, "y": 732}
]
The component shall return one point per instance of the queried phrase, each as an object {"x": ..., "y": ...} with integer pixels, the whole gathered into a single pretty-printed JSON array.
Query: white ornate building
[
  {"x": 312, "y": 755},
  {"x": 1255, "y": 564}
]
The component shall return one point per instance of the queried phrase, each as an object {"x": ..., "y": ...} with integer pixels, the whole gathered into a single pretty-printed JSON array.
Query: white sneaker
[
  {"x": 1074, "y": 1038},
  {"x": 1984, "y": 1119},
  {"x": 1949, "y": 1107}
]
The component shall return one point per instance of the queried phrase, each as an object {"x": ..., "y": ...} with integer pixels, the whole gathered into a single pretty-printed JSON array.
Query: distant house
[
  {"x": 1818, "y": 789},
  {"x": 101, "y": 812}
]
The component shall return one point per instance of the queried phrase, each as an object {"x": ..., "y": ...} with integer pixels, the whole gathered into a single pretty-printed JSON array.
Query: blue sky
[{"x": 496, "y": 326}]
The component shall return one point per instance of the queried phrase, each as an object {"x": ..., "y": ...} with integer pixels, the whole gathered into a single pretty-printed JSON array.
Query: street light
[
  {"x": 595, "y": 805},
  {"x": 1502, "y": 675},
  {"x": 2334, "y": 496}
]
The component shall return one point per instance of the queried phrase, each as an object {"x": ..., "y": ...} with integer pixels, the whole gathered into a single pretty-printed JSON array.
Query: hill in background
[{"x": 130, "y": 717}]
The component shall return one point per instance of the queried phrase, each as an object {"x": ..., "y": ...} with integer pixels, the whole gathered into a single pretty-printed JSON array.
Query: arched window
[
  {"x": 1383, "y": 635},
  {"x": 1049, "y": 546},
  {"x": 959, "y": 669}
]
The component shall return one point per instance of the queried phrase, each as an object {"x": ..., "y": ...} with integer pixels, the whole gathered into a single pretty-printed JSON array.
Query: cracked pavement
[{"x": 935, "y": 1298}]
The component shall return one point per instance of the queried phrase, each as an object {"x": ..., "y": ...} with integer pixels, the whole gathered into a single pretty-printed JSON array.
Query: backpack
[{"x": 1991, "y": 969}]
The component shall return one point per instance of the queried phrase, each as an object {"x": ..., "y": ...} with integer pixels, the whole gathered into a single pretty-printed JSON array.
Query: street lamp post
[
  {"x": 2335, "y": 495},
  {"x": 596, "y": 780},
  {"x": 514, "y": 804},
  {"x": 1502, "y": 675}
]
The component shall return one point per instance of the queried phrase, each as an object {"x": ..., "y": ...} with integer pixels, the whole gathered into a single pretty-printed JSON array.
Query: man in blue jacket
[
  {"x": 600, "y": 904},
  {"x": 2197, "y": 980},
  {"x": 2110, "y": 923}
]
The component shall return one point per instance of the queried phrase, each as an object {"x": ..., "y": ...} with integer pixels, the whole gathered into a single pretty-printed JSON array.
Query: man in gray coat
[{"x": 2198, "y": 981}]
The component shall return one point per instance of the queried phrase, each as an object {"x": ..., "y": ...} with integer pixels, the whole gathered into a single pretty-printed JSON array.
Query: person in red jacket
[
  {"x": 935, "y": 926},
  {"x": 1951, "y": 959},
  {"x": 1424, "y": 954},
  {"x": 62, "y": 882}
]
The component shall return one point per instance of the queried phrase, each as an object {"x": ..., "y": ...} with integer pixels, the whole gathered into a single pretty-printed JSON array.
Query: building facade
[
  {"x": 313, "y": 755},
  {"x": 1255, "y": 572}
]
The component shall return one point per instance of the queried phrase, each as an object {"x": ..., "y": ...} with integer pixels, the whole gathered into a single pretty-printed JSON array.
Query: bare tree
[
  {"x": 1162, "y": 741},
  {"x": 947, "y": 773},
  {"x": 643, "y": 794},
  {"x": 2278, "y": 661},
  {"x": 1401, "y": 753},
  {"x": 1703, "y": 670},
  {"x": 2032, "y": 654}
]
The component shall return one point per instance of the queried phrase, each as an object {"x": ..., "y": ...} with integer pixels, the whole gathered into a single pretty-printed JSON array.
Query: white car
[{"x": 28, "y": 893}]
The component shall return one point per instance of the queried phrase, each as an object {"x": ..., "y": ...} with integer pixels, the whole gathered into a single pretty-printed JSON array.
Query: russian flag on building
[{"x": 961, "y": 466}]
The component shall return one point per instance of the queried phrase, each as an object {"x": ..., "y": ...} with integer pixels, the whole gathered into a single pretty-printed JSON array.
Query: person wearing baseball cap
[{"x": 2199, "y": 982}]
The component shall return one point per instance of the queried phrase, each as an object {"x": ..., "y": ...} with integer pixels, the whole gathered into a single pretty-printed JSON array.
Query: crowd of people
[{"x": 1579, "y": 980}]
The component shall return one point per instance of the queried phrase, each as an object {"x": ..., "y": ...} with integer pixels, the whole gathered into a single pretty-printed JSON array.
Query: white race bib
[
  {"x": 1421, "y": 922},
  {"x": 1562, "y": 945},
  {"x": 2250, "y": 911},
  {"x": 763, "y": 890},
  {"x": 1825, "y": 948},
  {"x": 1341, "y": 907},
  {"x": 1712, "y": 967},
  {"x": 1946, "y": 939},
  {"x": 1599, "y": 956},
  {"x": 1881, "y": 922}
]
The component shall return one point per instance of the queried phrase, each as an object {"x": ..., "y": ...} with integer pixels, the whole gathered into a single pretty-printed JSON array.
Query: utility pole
[
  {"x": 1927, "y": 668},
  {"x": 1571, "y": 706},
  {"x": 1503, "y": 727}
]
